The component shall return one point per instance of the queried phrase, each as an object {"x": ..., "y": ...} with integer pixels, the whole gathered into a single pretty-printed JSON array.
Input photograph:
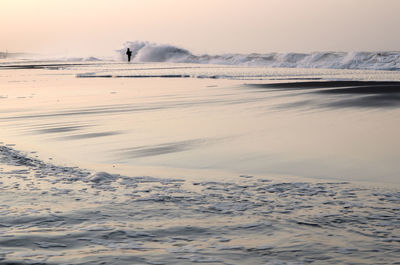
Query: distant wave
[
  {"x": 37, "y": 57},
  {"x": 143, "y": 51}
]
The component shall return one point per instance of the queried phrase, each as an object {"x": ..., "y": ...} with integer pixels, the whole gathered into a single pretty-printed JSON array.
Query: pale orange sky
[{"x": 95, "y": 27}]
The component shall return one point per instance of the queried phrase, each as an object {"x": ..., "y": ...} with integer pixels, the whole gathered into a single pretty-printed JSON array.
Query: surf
[{"x": 145, "y": 52}]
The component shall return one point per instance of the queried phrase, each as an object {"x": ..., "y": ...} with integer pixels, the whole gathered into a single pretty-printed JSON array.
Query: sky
[{"x": 98, "y": 27}]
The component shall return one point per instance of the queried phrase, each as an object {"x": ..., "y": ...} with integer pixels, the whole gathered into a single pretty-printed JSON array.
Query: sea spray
[{"x": 143, "y": 51}]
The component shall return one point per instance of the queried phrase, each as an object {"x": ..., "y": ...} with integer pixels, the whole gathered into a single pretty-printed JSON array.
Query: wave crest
[{"x": 143, "y": 51}]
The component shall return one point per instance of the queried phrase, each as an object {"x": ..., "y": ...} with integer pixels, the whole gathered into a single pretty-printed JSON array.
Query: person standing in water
[{"x": 129, "y": 53}]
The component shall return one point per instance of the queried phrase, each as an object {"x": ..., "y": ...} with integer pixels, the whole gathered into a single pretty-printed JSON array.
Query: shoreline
[{"x": 189, "y": 175}]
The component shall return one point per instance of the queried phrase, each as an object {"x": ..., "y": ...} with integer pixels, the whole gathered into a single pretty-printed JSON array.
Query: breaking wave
[{"x": 143, "y": 51}]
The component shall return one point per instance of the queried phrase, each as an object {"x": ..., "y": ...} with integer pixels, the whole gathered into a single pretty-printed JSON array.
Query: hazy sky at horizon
[{"x": 95, "y": 27}]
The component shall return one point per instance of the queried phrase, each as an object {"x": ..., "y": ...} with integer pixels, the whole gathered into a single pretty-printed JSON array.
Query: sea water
[{"x": 165, "y": 163}]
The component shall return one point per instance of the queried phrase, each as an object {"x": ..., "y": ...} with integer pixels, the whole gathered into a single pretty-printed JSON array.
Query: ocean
[{"x": 183, "y": 159}]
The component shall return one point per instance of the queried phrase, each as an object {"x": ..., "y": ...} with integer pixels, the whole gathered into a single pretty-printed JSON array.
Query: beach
[{"x": 104, "y": 162}]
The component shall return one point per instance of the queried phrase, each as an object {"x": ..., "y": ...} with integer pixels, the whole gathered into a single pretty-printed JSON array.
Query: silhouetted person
[{"x": 129, "y": 53}]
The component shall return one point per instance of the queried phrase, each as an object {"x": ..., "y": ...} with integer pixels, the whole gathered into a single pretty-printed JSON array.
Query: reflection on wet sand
[
  {"x": 165, "y": 148},
  {"x": 341, "y": 94},
  {"x": 178, "y": 123}
]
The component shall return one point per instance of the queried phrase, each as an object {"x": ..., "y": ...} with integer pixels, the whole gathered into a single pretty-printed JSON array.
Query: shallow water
[
  {"x": 204, "y": 165},
  {"x": 60, "y": 215}
]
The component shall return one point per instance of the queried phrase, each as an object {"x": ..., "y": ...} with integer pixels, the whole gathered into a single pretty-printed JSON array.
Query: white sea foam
[{"x": 152, "y": 52}]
